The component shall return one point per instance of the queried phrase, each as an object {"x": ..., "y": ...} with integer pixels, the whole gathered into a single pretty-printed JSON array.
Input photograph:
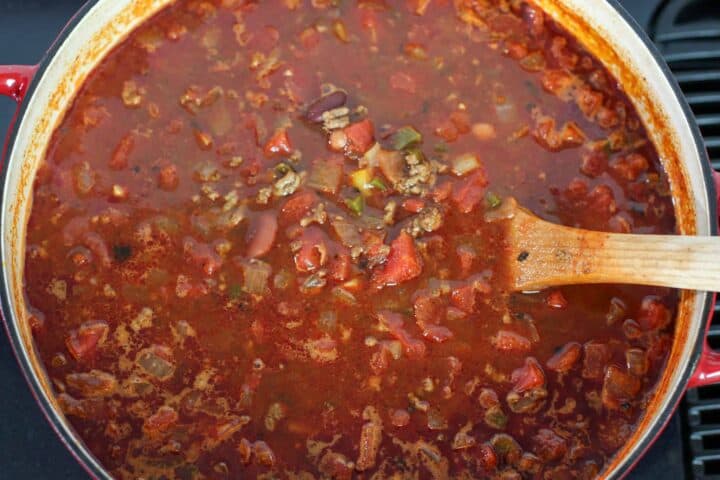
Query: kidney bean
[{"x": 331, "y": 101}]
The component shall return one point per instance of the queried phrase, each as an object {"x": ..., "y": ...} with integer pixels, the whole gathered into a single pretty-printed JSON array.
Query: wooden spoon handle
[{"x": 547, "y": 255}]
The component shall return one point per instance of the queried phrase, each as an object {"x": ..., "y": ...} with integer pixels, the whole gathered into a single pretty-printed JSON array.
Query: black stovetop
[{"x": 29, "y": 448}]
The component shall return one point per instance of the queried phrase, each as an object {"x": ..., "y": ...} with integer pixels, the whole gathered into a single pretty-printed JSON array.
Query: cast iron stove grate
[{"x": 688, "y": 35}]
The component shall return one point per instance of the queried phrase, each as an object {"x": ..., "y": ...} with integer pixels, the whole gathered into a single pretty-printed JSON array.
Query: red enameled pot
[{"x": 45, "y": 91}]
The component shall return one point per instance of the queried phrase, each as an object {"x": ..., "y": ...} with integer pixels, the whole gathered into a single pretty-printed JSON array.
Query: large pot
[{"x": 44, "y": 92}]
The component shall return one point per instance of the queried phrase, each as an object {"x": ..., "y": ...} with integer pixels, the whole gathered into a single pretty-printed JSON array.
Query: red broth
[{"x": 257, "y": 246}]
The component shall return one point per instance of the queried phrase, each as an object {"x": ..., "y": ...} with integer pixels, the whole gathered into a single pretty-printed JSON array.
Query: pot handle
[
  {"x": 707, "y": 371},
  {"x": 14, "y": 82}
]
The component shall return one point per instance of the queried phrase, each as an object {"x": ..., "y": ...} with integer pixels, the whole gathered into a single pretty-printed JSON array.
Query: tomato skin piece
[
  {"x": 403, "y": 263},
  {"x": 261, "y": 234},
  {"x": 278, "y": 145},
  {"x": 360, "y": 136},
  {"x": 468, "y": 192}
]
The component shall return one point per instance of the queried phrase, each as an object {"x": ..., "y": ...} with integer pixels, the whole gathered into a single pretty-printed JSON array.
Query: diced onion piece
[
  {"x": 392, "y": 165},
  {"x": 255, "y": 276},
  {"x": 343, "y": 295},
  {"x": 151, "y": 361},
  {"x": 326, "y": 176},
  {"x": 369, "y": 159},
  {"x": 348, "y": 233},
  {"x": 506, "y": 112},
  {"x": 465, "y": 163}
]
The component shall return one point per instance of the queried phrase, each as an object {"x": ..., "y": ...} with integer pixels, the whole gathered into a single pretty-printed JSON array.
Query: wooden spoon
[{"x": 542, "y": 254}]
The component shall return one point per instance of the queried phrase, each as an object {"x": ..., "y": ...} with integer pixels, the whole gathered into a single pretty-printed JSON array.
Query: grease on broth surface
[{"x": 257, "y": 246}]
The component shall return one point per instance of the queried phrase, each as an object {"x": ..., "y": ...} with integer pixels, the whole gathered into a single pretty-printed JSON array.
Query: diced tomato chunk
[
  {"x": 619, "y": 387},
  {"x": 528, "y": 376},
  {"x": 556, "y": 299},
  {"x": 461, "y": 121},
  {"x": 404, "y": 82},
  {"x": 261, "y": 234},
  {"x": 447, "y": 131},
  {"x": 160, "y": 421},
  {"x": 279, "y": 144},
  {"x": 413, "y": 205},
  {"x": 202, "y": 255},
  {"x": 368, "y": 18},
  {"x": 487, "y": 458},
  {"x": 436, "y": 333},
  {"x": 508, "y": 341},
  {"x": 120, "y": 155},
  {"x": 630, "y": 167},
  {"x": 340, "y": 266},
  {"x": 336, "y": 466},
  {"x": 441, "y": 192},
  {"x": 297, "y": 206},
  {"x": 469, "y": 191},
  {"x": 168, "y": 179},
  {"x": 466, "y": 257},
  {"x": 380, "y": 360},
  {"x": 413, "y": 347},
  {"x": 565, "y": 358},
  {"x": 549, "y": 445},
  {"x": 399, "y": 417},
  {"x": 360, "y": 136},
  {"x": 403, "y": 264},
  {"x": 428, "y": 309},
  {"x": 464, "y": 298},
  {"x": 83, "y": 342},
  {"x": 595, "y": 359},
  {"x": 309, "y": 38},
  {"x": 313, "y": 251},
  {"x": 653, "y": 314}
]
